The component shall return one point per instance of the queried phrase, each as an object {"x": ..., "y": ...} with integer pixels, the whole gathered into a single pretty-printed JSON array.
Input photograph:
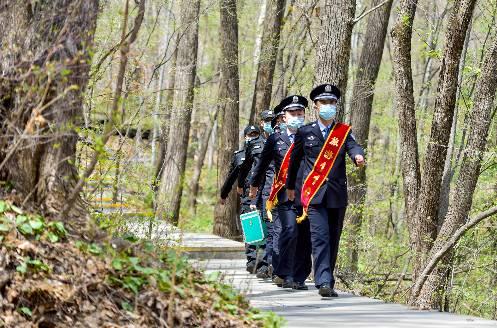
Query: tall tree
[
  {"x": 267, "y": 60},
  {"x": 333, "y": 48},
  {"x": 461, "y": 197},
  {"x": 225, "y": 216},
  {"x": 404, "y": 103},
  {"x": 436, "y": 153},
  {"x": 44, "y": 66},
  {"x": 171, "y": 186},
  {"x": 361, "y": 106}
]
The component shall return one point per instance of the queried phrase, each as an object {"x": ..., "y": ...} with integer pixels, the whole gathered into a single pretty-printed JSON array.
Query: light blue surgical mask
[
  {"x": 295, "y": 122},
  {"x": 327, "y": 112},
  {"x": 267, "y": 127},
  {"x": 282, "y": 126}
]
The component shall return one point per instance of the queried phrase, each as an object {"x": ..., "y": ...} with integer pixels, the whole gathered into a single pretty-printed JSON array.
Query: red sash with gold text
[
  {"x": 278, "y": 182},
  {"x": 323, "y": 165}
]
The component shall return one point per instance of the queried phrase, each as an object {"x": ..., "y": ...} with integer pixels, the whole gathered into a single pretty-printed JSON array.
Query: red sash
[
  {"x": 278, "y": 183},
  {"x": 323, "y": 165}
]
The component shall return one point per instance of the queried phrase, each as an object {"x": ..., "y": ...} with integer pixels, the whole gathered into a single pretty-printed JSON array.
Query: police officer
[
  {"x": 294, "y": 263},
  {"x": 251, "y": 133},
  {"x": 277, "y": 123},
  {"x": 267, "y": 117},
  {"x": 326, "y": 209},
  {"x": 252, "y": 154}
]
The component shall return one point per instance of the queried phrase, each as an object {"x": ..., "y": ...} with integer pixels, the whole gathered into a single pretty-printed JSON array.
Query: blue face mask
[
  {"x": 267, "y": 127},
  {"x": 282, "y": 126},
  {"x": 327, "y": 112},
  {"x": 295, "y": 122}
]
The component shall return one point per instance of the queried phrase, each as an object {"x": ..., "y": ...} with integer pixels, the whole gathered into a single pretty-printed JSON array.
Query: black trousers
[
  {"x": 294, "y": 245},
  {"x": 326, "y": 225}
]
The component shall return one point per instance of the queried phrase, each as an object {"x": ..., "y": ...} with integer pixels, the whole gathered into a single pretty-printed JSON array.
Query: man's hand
[
  {"x": 291, "y": 194},
  {"x": 253, "y": 192},
  {"x": 359, "y": 160},
  {"x": 222, "y": 201},
  {"x": 239, "y": 191}
]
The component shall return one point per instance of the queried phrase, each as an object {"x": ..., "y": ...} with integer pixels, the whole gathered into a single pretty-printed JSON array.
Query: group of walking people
[{"x": 295, "y": 175}]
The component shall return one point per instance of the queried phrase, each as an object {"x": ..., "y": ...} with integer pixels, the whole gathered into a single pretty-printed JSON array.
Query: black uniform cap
[
  {"x": 293, "y": 102},
  {"x": 267, "y": 115},
  {"x": 325, "y": 91},
  {"x": 250, "y": 129}
]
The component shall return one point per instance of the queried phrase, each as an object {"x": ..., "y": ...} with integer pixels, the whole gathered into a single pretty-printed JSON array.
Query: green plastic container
[{"x": 254, "y": 229}]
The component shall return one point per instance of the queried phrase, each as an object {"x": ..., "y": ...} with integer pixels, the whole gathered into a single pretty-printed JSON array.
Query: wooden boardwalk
[{"x": 308, "y": 309}]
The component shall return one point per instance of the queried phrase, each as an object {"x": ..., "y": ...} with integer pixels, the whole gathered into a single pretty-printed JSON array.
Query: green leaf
[
  {"x": 126, "y": 306},
  {"x": 16, "y": 209},
  {"x": 60, "y": 228},
  {"x": 95, "y": 249},
  {"x": 213, "y": 276},
  {"x": 4, "y": 228},
  {"x": 26, "y": 311},
  {"x": 117, "y": 264},
  {"x": 133, "y": 261},
  {"x": 3, "y": 206},
  {"x": 22, "y": 268},
  {"x": 37, "y": 224},
  {"x": 39, "y": 265},
  {"x": 26, "y": 229},
  {"x": 20, "y": 219},
  {"x": 52, "y": 237}
]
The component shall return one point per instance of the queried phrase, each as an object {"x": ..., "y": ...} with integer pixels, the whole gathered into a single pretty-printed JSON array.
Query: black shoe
[
  {"x": 251, "y": 267},
  {"x": 300, "y": 286},
  {"x": 263, "y": 273},
  {"x": 288, "y": 283},
  {"x": 278, "y": 281},
  {"x": 327, "y": 291}
]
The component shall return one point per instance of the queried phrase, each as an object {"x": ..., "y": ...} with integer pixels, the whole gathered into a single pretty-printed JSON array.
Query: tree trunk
[
  {"x": 449, "y": 168},
  {"x": 225, "y": 216},
  {"x": 426, "y": 217},
  {"x": 269, "y": 50},
  {"x": 166, "y": 114},
  {"x": 404, "y": 103},
  {"x": 461, "y": 197},
  {"x": 361, "y": 106},
  {"x": 40, "y": 108},
  {"x": 171, "y": 187},
  {"x": 333, "y": 53},
  {"x": 199, "y": 164}
]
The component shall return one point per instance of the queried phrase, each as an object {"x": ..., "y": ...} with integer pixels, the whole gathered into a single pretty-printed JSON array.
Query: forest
[{"x": 118, "y": 114}]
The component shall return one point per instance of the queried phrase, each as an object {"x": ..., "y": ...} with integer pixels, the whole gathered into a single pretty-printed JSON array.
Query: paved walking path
[{"x": 308, "y": 309}]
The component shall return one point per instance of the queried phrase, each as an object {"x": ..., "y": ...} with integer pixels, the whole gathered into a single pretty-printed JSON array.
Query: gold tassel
[
  {"x": 301, "y": 218},
  {"x": 269, "y": 208}
]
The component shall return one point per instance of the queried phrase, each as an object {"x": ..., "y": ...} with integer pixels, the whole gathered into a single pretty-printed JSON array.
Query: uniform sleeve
[
  {"x": 262, "y": 164},
  {"x": 352, "y": 147},
  {"x": 244, "y": 168},
  {"x": 230, "y": 179},
  {"x": 295, "y": 160}
]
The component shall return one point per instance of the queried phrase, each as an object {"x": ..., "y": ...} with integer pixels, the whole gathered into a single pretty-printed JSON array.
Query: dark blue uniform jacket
[{"x": 308, "y": 143}]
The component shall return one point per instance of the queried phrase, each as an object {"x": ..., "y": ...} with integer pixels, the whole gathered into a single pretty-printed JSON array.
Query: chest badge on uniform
[
  {"x": 279, "y": 142},
  {"x": 257, "y": 147},
  {"x": 311, "y": 138}
]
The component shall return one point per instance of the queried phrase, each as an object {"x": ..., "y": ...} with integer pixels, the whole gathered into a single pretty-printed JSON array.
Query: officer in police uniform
[
  {"x": 267, "y": 117},
  {"x": 277, "y": 123},
  {"x": 252, "y": 154},
  {"x": 326, "y": 211},
  {"x": 294, "y": 263},
  {"x": 251, "y": 133}
]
